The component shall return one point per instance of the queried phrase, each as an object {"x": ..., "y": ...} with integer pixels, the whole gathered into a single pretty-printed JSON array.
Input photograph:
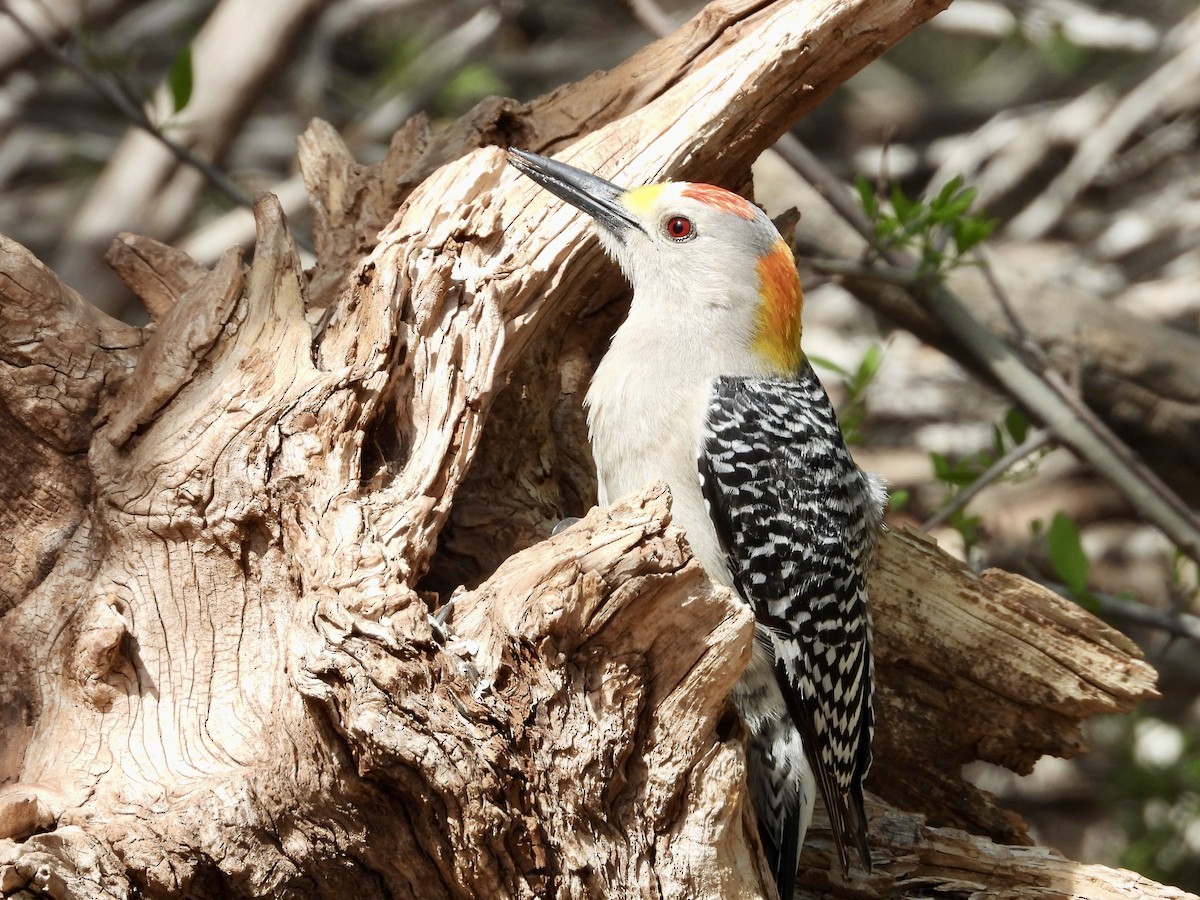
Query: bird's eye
[{"x": 678, "y": 228}]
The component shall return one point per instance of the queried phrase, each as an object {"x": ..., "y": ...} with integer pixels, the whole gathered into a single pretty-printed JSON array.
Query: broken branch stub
[{"x": 554, "y": 723}]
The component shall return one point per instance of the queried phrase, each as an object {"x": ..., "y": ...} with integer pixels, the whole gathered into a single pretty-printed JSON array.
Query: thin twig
[
  {"x": 132, "y": 111},
  {"x": 1141, "y": 472},
  {"x": 1023, "y": 338},
  {"x": 1075, "y": 424},
  {"x": 1070, "y": 395},
  {"x": 904, "y": 278},
  {"x": 800, "y": 158},
  {"x": 1179, "y": 73},
  {"x": 1070, "y": 419},
  {"x": 1033, "y": 443}
]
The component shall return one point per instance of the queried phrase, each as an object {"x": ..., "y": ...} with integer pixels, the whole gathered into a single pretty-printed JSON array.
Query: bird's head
[{"x": 695, "y": 253}]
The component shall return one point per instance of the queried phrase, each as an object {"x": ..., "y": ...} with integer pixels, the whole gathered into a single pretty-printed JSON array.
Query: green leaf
[
  {"x": 469, "y": 85},
  {"x": 941, "y": 466},
  {"x": 970, "y": 231},
  {"x": 967, "y": 525},
  {"x": 956, "y": 206},
  {"x": 866, "y": 196},
  {"x": 906, "y": 210},
  {"x": 932, "y": 259},
  {"x": 179, "y": 79},
  {"x": 965, "y": 199},
  {"x": 867, "y": 368},
  {"x": 998, "y": 442},
  {"x": 1017, "y": 425},
  {"x": 885, "y": 227},
  {"x": 822, "y": 363},
  {"x": 1066, "y": 553},
  {"x": 959, "y": 473},
  {"x": 898, "y": 500},
  {"x": 949, "y": 189}
]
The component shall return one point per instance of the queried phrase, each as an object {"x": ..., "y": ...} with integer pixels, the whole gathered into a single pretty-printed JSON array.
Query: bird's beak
[{"x": 594, "y": 196}]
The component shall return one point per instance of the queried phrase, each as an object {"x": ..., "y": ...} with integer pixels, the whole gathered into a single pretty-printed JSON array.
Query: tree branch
[
  {"x": 1044, "y": 395},
  {"x": 134, "y": 113}
]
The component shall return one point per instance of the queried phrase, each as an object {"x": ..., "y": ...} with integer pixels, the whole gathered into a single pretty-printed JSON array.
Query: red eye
[{"x": 678, "y": 228}]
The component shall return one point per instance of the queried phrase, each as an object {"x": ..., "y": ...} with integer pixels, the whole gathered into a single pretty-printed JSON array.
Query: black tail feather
[
  {"x": 857, "y": 825},
  {"x": 785, "y": 858}
]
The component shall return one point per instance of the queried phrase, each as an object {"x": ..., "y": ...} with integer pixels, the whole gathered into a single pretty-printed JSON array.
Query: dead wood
[
  {"x": 224, "y": 678},
  {"x": 59, "y": 354}
]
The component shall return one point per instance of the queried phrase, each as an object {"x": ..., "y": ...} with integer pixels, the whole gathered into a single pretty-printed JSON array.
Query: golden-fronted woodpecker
[{"x": 705, "y": 387}]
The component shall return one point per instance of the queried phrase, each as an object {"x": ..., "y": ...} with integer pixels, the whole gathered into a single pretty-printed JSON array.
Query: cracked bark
[{"x": 233, "y": 525}]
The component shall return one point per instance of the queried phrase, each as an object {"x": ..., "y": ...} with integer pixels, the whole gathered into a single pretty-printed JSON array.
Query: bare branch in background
[
  {"x": 428, "y": 72},
  {"x": 1130, "y": 612},
  {"x": 237, "y": 521},
  {"x": 1043, "y": 395},
  {"x": 132, "y": 111},
  {"x": 144, "y": 187},
  {"x": 1179, "y": 74},
  {"x": 35, "y": 23},
  {"x": 1036, "y": 441}
]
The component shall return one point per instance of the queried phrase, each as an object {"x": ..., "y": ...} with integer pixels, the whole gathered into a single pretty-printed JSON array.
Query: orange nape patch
[
  {"x": 719, "y": 198},
  {"x": 778, "y": 336}
]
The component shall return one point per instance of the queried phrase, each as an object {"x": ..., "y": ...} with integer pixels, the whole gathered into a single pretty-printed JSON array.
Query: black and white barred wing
[{"x": 798, "y": 520}]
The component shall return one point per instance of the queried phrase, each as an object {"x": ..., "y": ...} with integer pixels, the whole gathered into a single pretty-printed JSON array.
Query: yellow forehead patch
[{"x": 641, "y": 201}]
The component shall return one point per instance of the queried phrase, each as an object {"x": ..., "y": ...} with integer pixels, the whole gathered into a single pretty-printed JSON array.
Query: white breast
[{"x": 646, "y": 410}]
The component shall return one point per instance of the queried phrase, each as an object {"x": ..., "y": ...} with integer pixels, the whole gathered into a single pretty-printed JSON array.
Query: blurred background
[{"x": 1075, "y": 129}]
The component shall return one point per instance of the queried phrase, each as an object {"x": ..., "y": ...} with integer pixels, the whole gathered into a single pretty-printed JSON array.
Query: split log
[{"x": 223, "y": 678}]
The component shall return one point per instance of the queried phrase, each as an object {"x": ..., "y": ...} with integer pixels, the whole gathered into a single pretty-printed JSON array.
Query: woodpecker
[{"x": 705, "y": 386}]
